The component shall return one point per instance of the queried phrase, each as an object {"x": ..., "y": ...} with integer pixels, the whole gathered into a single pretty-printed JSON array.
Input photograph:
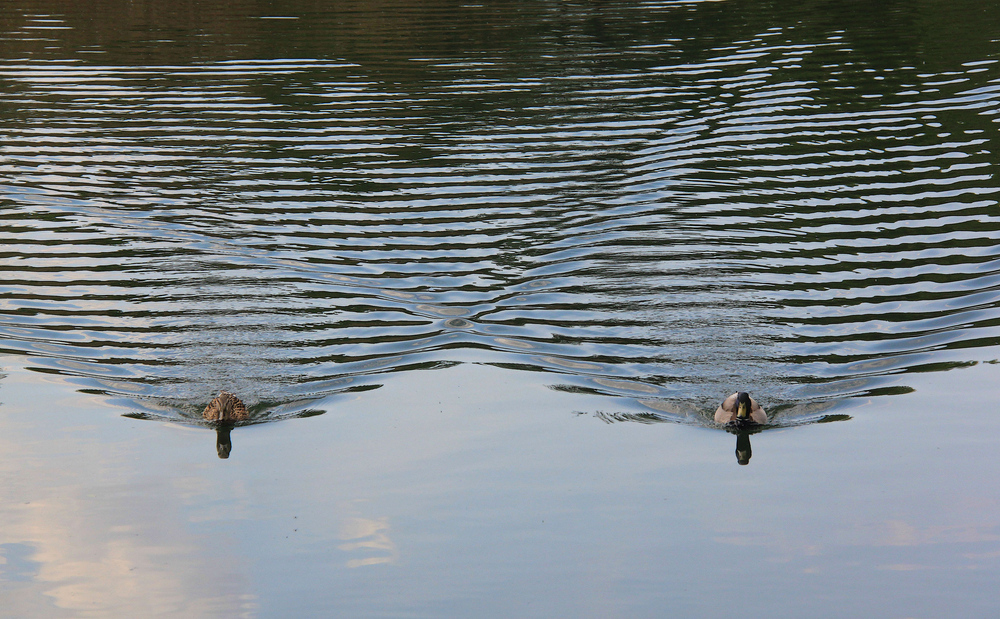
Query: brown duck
[{"x": 225, "y": 408}]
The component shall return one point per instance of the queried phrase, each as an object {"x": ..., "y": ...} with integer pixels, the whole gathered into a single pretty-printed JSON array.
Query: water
[{"x": 458, "y": 238}]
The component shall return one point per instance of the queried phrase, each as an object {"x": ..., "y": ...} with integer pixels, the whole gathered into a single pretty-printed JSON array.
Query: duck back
[{"x": 225, "y": 407}]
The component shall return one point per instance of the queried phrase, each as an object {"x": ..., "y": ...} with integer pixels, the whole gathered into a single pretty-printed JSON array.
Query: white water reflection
[
  {"x": 102, "y": 538},
  {"x": 365, "y": 536}
]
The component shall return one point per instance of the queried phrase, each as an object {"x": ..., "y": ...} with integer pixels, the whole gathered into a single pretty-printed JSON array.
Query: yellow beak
[{"x": 742, "y": 412}]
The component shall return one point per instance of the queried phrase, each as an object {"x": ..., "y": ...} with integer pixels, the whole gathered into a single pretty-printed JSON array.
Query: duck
[
  {"x": 740, "y": 409},
  {"x": 225, "y": 408}
]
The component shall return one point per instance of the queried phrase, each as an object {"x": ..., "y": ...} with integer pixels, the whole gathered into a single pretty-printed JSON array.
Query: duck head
[{"x": 743, "y": 406}]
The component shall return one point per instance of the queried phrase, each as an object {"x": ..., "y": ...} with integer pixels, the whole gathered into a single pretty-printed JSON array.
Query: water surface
[{"x": 573, "y": 213}]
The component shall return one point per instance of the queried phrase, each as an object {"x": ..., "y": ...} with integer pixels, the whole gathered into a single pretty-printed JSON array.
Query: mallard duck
[
  {"x": 740, "y": 409},
  {"x": 225, "y": 408}
]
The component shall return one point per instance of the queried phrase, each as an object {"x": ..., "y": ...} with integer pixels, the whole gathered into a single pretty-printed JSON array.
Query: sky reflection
[{"x": 431, "y": 498}]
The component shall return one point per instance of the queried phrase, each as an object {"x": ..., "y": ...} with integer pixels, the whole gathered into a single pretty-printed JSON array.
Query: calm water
[{"x": 480, "y": 251}]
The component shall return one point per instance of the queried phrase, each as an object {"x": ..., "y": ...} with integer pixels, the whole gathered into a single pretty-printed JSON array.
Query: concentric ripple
[{"x": 660, "y": 209}]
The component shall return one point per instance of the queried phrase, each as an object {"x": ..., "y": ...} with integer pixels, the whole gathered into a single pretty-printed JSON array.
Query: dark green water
[{"x": 482, "y": 273}]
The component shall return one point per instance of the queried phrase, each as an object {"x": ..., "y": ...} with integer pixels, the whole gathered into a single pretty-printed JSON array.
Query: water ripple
[{"x": 663, "y": 223}]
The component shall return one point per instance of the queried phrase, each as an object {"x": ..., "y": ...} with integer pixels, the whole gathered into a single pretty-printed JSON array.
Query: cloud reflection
[
  {"x": 108, "y": 555},
  {"x": 369, "y": 537},
  {"x": 85, "y": 534}
]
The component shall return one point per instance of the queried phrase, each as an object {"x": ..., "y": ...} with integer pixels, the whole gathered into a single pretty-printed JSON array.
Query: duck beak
[{"x": 742, "y": 413}]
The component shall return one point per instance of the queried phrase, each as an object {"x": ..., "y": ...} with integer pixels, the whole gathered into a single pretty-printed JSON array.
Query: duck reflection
[
  {"x": 743, "y": 450},
  {"x": 225, "y": 410},
  {"x": 223, "y": 442}
]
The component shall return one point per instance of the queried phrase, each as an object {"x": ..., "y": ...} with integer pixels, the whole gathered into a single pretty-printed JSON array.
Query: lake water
[{"x": 482, "y": 273}]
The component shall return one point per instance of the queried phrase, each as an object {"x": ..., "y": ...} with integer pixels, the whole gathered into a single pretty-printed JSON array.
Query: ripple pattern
[{"x": 650, "y": 217}]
